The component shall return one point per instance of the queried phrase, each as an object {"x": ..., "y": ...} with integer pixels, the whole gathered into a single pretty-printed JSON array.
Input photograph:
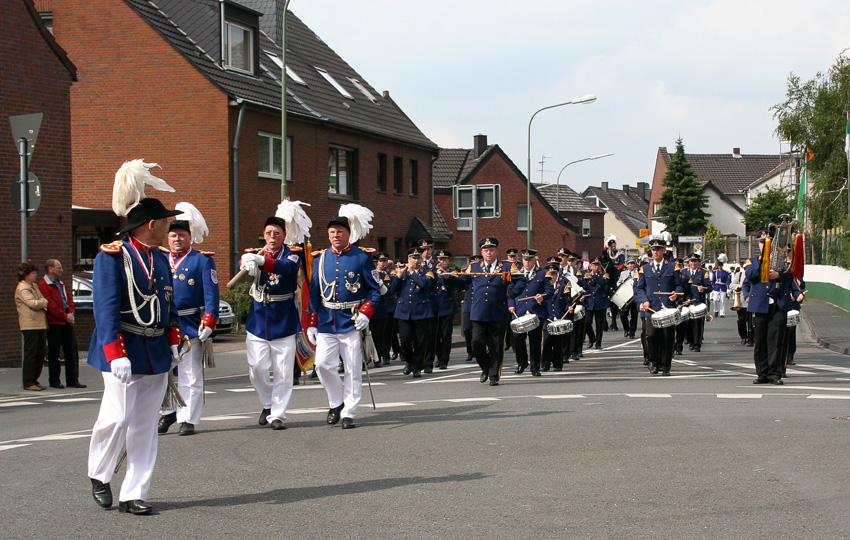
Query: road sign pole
[
  {"x": 474, "y": 219},
  {"x": 22, "y": 150}
]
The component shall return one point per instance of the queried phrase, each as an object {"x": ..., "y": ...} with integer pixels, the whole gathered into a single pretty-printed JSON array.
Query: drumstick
[
  {"x": 237, "y": 278},
  {"x": 527, "y": 298},
  {"x": 669, "y": 293}
]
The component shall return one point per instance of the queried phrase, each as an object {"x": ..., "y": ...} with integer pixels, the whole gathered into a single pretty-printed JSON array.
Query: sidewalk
[{"x": 829, "y": 324}]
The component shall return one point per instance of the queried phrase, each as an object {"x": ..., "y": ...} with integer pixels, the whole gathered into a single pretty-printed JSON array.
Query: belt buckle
[{"x": 148, "y": 332}]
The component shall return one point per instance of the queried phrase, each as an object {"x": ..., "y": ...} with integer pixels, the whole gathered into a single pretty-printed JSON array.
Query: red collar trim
[
  {"x": 139, "y": 245},
  {"x": 345, "y": 250}
]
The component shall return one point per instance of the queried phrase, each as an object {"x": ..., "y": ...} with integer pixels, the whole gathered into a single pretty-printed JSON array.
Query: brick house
[
  {"x": 585, "y": 218},
  {"x": 625, "y": 212},
  {"x": 37, "y": 77},
  {"x": 196, "y": 87},
  {"x": 488, "y": 164}
]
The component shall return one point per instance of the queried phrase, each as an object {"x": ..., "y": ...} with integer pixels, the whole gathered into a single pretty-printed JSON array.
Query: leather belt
[
  {"x": 141, "y": 330},
  {"x": 267, "y": 298},
  {"x": 341, "y": 305},
  {"x": 190, "y": 311}
]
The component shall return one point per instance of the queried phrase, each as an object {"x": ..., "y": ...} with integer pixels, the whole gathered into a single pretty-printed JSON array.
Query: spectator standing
[
  {"x": 32, "y": 307},
  {"x": 61, "y": 314}
]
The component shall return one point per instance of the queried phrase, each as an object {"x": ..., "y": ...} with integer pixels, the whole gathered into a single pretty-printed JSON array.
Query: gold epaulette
[
  {"x": 295, "y": 249},
  {"x": 707, "y": 275},
  {"x": 746, "y": 264},
  {"x": 164, "y": 249},
  {"x": 369, "y": 250},
  {"x": 606, "y": 276},
  {"x": 640, "y": 271},
  {"x": 690, "y": 281},
  {"x": 678, "y": 267},
  {"x": 317, "y": 252},
  {"x": 252, "y": 250},
  {"x": 111, "y": 248},
  {"x": 429, "y": 275},
  {"x": 387, "y": 277},
  {"x": 209, "y": 254}
]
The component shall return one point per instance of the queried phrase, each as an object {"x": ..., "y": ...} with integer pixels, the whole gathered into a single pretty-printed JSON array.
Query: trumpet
[{"x": 737, "y": 304}]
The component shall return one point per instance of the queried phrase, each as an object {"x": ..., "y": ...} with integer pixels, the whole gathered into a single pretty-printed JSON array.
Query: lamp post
[
  {"x": 283, "y": 163},
  {"x": 558, "y": 181},
  {"x": 585, "y": 99}
]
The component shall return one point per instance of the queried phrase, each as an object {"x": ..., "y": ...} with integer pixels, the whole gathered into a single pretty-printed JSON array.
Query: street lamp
[
  {"x": 558, "y": 181},
  {"x": 585, "y": 99}
]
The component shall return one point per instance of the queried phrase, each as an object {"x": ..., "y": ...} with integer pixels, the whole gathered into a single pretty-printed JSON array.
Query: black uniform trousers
[
  {"x": 745, "y": 326},
  {"x": 659, "y": 344},
  {"x": 554, "y": 350},
  {"x": 381, "y": 329},
  {"x": 414, "y": 336},
  {"x": 695, "y": 329},
  {"x": 488, "y": 344},
  {"x": 683, "y": 331},
  {"x": 444, "y": 325},
  {"x": 595, "y": 318},
  {"x": 525, "y": 342},
  {"x": 577, "y": 337},
  {"x": 629, "y": 318},
  {"x": 430, "y": 342},
  {"x": 769, "y": 335},
  {"x": 62, "y": 335},
  {"x": 466, "y": 324}
]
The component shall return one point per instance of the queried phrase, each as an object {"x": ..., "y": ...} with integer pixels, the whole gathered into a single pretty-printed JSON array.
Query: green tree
[
  {"x": 767, "y": 206},
  {"x": 813, "y": 118},
  {"x": 682, "y": 203},
  {"x": 714, "y": 240}
]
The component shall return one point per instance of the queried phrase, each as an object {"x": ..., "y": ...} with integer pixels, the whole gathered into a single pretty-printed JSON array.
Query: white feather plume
[
  {"x": 611, "y": 237},
  {"x": 359, "y": 218},
  {"x": 722, "y": 258},
  {"x": 298, "y": 223},
  {"x": 130, "y": 182},
  {"x": 197, "y": 224}
]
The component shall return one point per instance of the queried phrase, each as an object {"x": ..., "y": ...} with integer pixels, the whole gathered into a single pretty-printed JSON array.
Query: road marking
[
  {"x": 826, "y": 396},
  {"x": 224, "y": 417},
  {"x": 57, "y": 437},
  {"x": 563, "y": 396},
  {"x": 19, "y": 403},
  {"x": 238, "y": 390},
  {"x": 825, "y": 388},
  {"x": 836, "y": 369},
  {"x": 11, "y": 446},
  {"x": 469, "y": 400},
  {"x": 210, "y": 392},
  {"x": 72, "y": 400},
  {"x": 648, "y": 395},
  {"x": 741, "y": 396},
  {"x": 395, "y": 404}
]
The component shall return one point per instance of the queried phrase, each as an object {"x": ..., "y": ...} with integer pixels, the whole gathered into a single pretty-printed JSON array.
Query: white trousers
[
  {"x": 718, "y": 298},
  {"x": 128, "y": 415},
  {"x": 190, "y": 384},
  {"x": 329, "y": 349},
  {"x": 264, "y": 355}
]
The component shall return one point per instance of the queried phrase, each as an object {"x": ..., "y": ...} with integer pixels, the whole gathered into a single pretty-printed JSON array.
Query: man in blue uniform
[
  {"x": 446, "y": 285},
  {"x": 770, "y": 302},
  {"x": 613, "y": 263},
  {"x": 698, "y": 283},
  {"x": 576, "y": 341},
  {"x": 529, "y": 293},
  {"x": 414, "y": 311},
  {"x": 273, "y": 321},
  {"x": 720, "y": 281},
  {"x": 466, "y": 313},
  {"x": 489, "y": 312},
  {"x": 134, "y": 344},
  {"x": 596, "y": 284},
  {"x": 381, "y": 322},
  {"x": 196, "y": 297},
  {"x": 657, "y": 276},
  {"x": 343, "y": 293},
  {"x": 629, "y": 313}
]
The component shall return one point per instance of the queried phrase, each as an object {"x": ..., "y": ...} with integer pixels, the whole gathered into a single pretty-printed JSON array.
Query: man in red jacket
[{"x": 60, "y": 327}]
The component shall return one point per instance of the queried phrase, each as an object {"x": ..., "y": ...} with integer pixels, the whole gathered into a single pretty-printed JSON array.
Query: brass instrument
[
  {"x": 737, "y": 304},
  {"x": 778, "y": 251}
]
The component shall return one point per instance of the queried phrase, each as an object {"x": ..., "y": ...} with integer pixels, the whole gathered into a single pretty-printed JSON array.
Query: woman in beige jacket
[{"x": 32, "y": 318}]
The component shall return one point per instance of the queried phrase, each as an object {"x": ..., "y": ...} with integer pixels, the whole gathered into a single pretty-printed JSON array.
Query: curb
[{"x": 823, "y": 342}]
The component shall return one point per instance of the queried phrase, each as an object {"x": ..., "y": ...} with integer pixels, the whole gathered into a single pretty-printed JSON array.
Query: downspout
[
  {"x": 235, "y": 257},
  {"x": 221, "y": 31}
]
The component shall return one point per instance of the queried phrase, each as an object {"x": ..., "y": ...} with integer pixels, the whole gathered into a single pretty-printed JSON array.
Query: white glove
[
  {"x": 121, "y": 368},
  {"x": 252, "y": 262},
  {"x": 204, "y": 333},
  {"x": 361, "y": 321},
  {"x": 312, "y": 334},
  {"x": 384, "y": 289},
  {"x": 175, "y": 356}
]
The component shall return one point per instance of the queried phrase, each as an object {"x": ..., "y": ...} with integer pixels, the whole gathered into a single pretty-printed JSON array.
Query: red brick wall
[
  {"x": 34, "y": 80},
  {"x": 657, "y": 186},
  {"x": 547, "y": 234}
]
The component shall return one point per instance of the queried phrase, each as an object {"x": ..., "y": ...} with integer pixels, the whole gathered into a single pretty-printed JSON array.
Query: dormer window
[{"x": 238, "y": 47}]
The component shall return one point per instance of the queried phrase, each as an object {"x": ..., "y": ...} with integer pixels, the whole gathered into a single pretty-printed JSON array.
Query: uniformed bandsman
[
  {"x": 429, "y": 264},
  {"x": 135, "y": 340},
  {"x": 381, "y": 322},
  {"x": 699, "y": 283},
  {"x": 613, "y": 263},
  {"x": 596, "y": 284},
  {"x": 343, "y": 293},
  {"x": 529, "y": 293},
  {"x": 196, "y": 296},
  {"x": 446, "y": 285},
  {"x": 466, "y": 320},
  {"x": 721, "y": 281},
  {"x": 629, "y": 313},
  {"x": 414, "y": 311},
  {"x": 683, "y": 327},
  {"x": 657, "y": 276},
  {"x": 576, "y": 342}
]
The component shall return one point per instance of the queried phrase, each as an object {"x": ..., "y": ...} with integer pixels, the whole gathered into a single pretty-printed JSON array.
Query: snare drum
[
  {"x": 624, "y": 295},
  {"x": 524, "y": 324},
  {"x": 578, "y": 313},
  {"x": 559, "y": 327},
  {"x": 684, "y": 314},
  {"x": 794, "y": 318},
  {"x": 665, "y": 318},
  {"x": 698, "y": 311}
]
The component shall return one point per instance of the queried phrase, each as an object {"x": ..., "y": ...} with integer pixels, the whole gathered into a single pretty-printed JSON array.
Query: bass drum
[{"x": 624, "y": 295}]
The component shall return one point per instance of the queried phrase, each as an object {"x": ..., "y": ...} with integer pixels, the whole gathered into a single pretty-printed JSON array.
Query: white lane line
[
  {"x": 238, "y": 390},
  {"x": 799, "y": 372},
  {"x": 72, "y": 400},
  {"x": 208, "y": 392},
  {"x": 11, "y": 446},
  {"x": 19, "y": 403},
  {"x": 469, "y": 400},
  {"x": 58, "y": 437},
  {"x": 685, "y": 362},
  {"x": 224, "y": 417},
  {"x": 649, "y": 395},
  {"x": 827, "y": 368},
  {"x": 739, "y": 396},
  {"x": 395, "y": 404},
  {"x": 749, "y": 367},
  {"x": 825, "y": 388},
  {"x": 826, "y": 396},
  {"x": 563, "y": 396}
]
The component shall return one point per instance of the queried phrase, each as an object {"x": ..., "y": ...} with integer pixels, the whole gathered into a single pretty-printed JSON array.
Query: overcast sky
[{"x": 707, "y": 71}]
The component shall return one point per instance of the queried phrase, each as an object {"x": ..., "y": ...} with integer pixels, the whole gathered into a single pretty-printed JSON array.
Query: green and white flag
[
  {"x": 801, "y": 196},
  {"x": 847, "y": 140}
]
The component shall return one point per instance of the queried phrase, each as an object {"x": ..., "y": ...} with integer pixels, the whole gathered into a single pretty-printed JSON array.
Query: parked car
[{"x": 82, "y": 291}]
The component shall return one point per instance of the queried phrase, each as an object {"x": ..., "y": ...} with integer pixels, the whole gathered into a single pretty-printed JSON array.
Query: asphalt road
[{"x": 600, "y": 450}]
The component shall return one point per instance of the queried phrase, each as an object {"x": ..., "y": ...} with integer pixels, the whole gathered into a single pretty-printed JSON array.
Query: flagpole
[{"x": 847, "y": 153}]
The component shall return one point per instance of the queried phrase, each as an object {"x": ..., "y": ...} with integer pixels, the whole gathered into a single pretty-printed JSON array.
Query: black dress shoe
[
  {"x": 394, "y": 356},
  {"x": 470, "y": 358},
  {"x": 483, "y": 377},
  {"x": 417, "y": 375},
  {"x": 377, "y": 363},
  {"x": 443, "y": 365},
  {"x": 428, "y": 369},
  {"x": 646, "y": 361},
  {"x": 494, "y": 381},
  {"x": 665, "y": 373},
  {"x": 792, "y": 362},
  {"x": 77, "y": 384},
  {"x": 264, "y": 417},
  {"x": 536, "y": 374},
  {"x": 57, "y": 385},
  {"x": 187, "y": 429},
  {"x": 761, "y": 380},
  {"x": 348, "y": 423},
  {"x": 777, "y": 381},
  {"x": 102, "y": 493},
  {"x": 558, "y": 369},
  {"x": 749, "y": 344},
  {"x": 341, "y": 368},
  {"x": 406, "y": 370},
  {"x": 631, "y": 336},
  {"x": 165, "y": 422},
  {"x": 743, "y": 341},
  {"x": 519, "y": 370},
  {"x": 313, "y": 374},
  {"x": 333, "y": 414},
  {"x": 654, "y": 371},
  {"x": 296, "y": 381},
  {"x": 545, "y": 368},
  {"x": 278, "y": 425},
  {"x": 697, "y": 349},
  {"x": 597, "y": 346},
  {"x": 138, "y": 507}
]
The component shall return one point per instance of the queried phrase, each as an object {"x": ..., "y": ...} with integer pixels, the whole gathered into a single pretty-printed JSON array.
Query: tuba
[{"x": 780, "y": 251}]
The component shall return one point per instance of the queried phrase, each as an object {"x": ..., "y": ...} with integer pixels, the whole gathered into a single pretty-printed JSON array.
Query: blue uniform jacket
[
  {"x": 278, "y": 319},
  {"x": 446, "y": 286},
  {"x": 489, "y": 293},
  {"x": 561, "y": 296},
  {"x": 695, "y": 278},
  {"x": 650, "y": 282},
  {"x": 758, "y": 293},
  {"x": 523, "y": 287},
  {"x": 195, "y": 285},
  {"x": 595, "y": 285},
  {"x": 349, "y": 276},
  {"x": 415, "y": 296},
  {"x": 148, "y": 355},
  {"x": 721, "y": 281}
]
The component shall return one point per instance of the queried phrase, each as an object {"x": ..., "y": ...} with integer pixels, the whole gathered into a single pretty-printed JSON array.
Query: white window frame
[
  {"x": 464, "y": 224},
  {"x": 363, "y": 90},
  {"x": 272, "y": 139},
  {"x": 250, "y": 36},
  {"x": 522, "y": 214},
  {"x": 328, "y": 77},
  {"x": 350, "y": 174},
  {"x": 585, "y": 227},
  {"x": 86, "y": 263}
]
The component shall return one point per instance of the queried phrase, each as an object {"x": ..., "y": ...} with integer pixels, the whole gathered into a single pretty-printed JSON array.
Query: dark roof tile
[{"x": 729, "y": 174}]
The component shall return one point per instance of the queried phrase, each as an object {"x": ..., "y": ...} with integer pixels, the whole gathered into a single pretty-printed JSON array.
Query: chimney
[
  {"x": 480, "y": 145},
  {"x": 736, "y": 153},
  {"x": 641, "y": 190},
  {"x": 626, "y": 189},
  {"x": 605, "y": 187}
]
